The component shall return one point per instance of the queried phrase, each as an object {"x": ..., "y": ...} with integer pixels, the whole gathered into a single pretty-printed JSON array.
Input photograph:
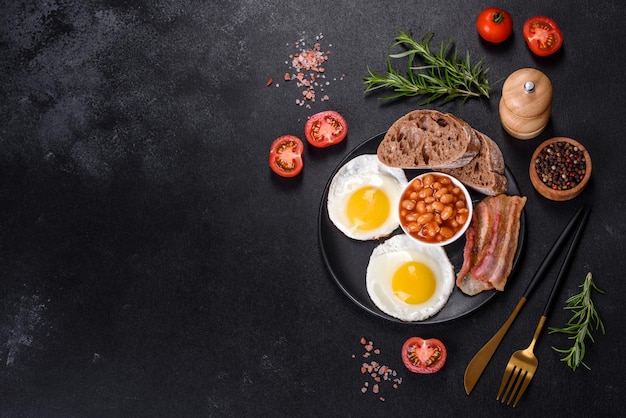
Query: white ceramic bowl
[{"x": 438, "y": 198}]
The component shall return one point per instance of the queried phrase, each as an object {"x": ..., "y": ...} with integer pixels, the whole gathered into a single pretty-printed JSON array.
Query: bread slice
[
  {"x": 428, "y": 139},
  {"x": 485, "y": 173}
]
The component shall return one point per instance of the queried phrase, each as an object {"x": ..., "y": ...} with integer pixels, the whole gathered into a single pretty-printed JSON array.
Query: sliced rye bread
[
  {"x": 485, "y": 173},
  {"x": 428, "y": 139}
]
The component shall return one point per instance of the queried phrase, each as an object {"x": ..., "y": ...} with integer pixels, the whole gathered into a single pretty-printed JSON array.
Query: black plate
[{"x": 347, "y": 259}]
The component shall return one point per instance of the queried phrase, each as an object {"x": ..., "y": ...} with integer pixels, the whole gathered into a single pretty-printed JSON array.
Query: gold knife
[{"x": 479, "y": 362}]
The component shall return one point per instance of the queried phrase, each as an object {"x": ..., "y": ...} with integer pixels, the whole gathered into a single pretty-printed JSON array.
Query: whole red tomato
[{"x": 494, "y": 25}]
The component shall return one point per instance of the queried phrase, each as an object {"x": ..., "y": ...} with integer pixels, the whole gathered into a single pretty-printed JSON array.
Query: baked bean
[
  {"x": 433, "y": 208},
  {"x": 424, "y": 193},
  {"x": 461, "y": 217},
  {"x": 432, "y": 228},
  {"x": 425, "y": 218},
  {"x": 413, "y": 227},
  {"x": 447, "y": 212},
  {"x": 427, "y": 180},
  {"x": 447, "y": 198},
  {"x": 441, "y": 192},
  {"x": 408, "y": 204},
  {"x": 438, "y": 206},
  {"x": 446, "y": 232}
]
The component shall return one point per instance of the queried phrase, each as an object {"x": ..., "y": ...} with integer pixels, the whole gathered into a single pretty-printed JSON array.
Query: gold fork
[
  {"x": 520, "y": 370},
  {"x": 523, "y": 364}
]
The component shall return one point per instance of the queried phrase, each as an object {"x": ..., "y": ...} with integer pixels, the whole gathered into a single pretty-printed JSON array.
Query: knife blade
[{"x": 480, "y": 360}]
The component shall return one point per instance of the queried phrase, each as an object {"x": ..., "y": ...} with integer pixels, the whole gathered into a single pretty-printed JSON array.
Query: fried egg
[
  {"x": 408, "y": 280},
  {"x": 363, "y": 197}
]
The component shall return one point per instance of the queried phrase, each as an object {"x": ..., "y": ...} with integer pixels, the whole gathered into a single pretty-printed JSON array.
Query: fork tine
[
  {"x": 519, "y": 378},
  {"x": 527, "y": 378},
  {"x": 505, "y": 379}
]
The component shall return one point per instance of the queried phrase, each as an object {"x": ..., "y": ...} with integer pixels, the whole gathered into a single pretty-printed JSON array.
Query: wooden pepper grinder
[{"x": 526, "y": 103}]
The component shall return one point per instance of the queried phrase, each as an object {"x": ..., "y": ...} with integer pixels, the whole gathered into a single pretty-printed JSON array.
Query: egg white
[
  {"x": 387, "y": 257},
  {"x": 359, "y": 172}
]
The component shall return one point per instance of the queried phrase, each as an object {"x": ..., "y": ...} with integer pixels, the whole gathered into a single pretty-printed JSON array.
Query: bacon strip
[{"x": 491, "y": 243}]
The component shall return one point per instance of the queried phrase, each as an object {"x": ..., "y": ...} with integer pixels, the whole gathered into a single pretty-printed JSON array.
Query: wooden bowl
[{"x": 560, "y": 190}]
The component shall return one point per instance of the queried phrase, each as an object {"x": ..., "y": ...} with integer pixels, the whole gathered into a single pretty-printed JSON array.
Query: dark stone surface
[{"x": 152, "y": 265}]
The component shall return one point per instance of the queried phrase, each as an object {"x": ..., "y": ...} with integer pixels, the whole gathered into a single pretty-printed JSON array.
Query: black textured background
[{"x": 152, "y": 265}]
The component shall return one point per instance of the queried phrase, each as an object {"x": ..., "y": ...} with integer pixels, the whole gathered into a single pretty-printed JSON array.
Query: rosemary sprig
[
  {"x": 444, "y": 74},
  {"x": 584, "y": 319}
]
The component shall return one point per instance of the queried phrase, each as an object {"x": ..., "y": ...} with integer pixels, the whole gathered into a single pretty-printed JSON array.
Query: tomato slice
[
  {"x": 325, "y": 128},
  {"x": 424, "y": 356},
  {"x": 543, "y": 35},
  {"x": 494, "y": 24},
  {"x": 286, "y": 156}
]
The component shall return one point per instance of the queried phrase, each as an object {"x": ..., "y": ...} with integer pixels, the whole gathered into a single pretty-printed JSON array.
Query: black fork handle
[
  {"x": 566, "y": 261},
  {"x": 548, "y": 259}
]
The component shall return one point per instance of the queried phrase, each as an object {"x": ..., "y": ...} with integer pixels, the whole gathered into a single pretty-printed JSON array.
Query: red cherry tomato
[
  {"x": 494, "y": 25},
  {"x": 542, "y": 35},
  {"x": 325, "y": 128},
  {"x": 286, "y": 156},
  {"x": 424, "y": 356}
]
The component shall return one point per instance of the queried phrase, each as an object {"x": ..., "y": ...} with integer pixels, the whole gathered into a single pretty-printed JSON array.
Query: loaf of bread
[
  {"x": 428, "y": 139},
  {"x": 485, "y": 173}
]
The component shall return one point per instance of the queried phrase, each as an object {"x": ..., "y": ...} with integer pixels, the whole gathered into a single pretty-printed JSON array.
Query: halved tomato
[
  {"x": 325, "y": 128},
  {"x": 542, "y": 35},
  {"x": 424, "y": 356},
  {"x": 286, "y": 156}
]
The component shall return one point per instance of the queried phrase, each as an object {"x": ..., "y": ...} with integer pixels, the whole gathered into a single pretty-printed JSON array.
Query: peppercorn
[{"x": 561, "y": 165}]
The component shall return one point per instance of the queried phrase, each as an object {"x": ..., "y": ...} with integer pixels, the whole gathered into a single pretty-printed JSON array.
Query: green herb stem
[
  {"x": 443, "y": 75},
  {"x": 584, "y": 318}
]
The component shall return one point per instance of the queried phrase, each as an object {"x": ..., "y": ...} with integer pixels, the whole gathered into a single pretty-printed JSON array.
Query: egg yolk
[
  {"x": 368, "y": 208},
  {"x": 414, "y": 282}
]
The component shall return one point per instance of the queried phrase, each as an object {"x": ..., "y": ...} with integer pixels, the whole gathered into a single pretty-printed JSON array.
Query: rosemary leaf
[
  {"x": 443, "y": 75},
  {"x": 584, "y": 319}
]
